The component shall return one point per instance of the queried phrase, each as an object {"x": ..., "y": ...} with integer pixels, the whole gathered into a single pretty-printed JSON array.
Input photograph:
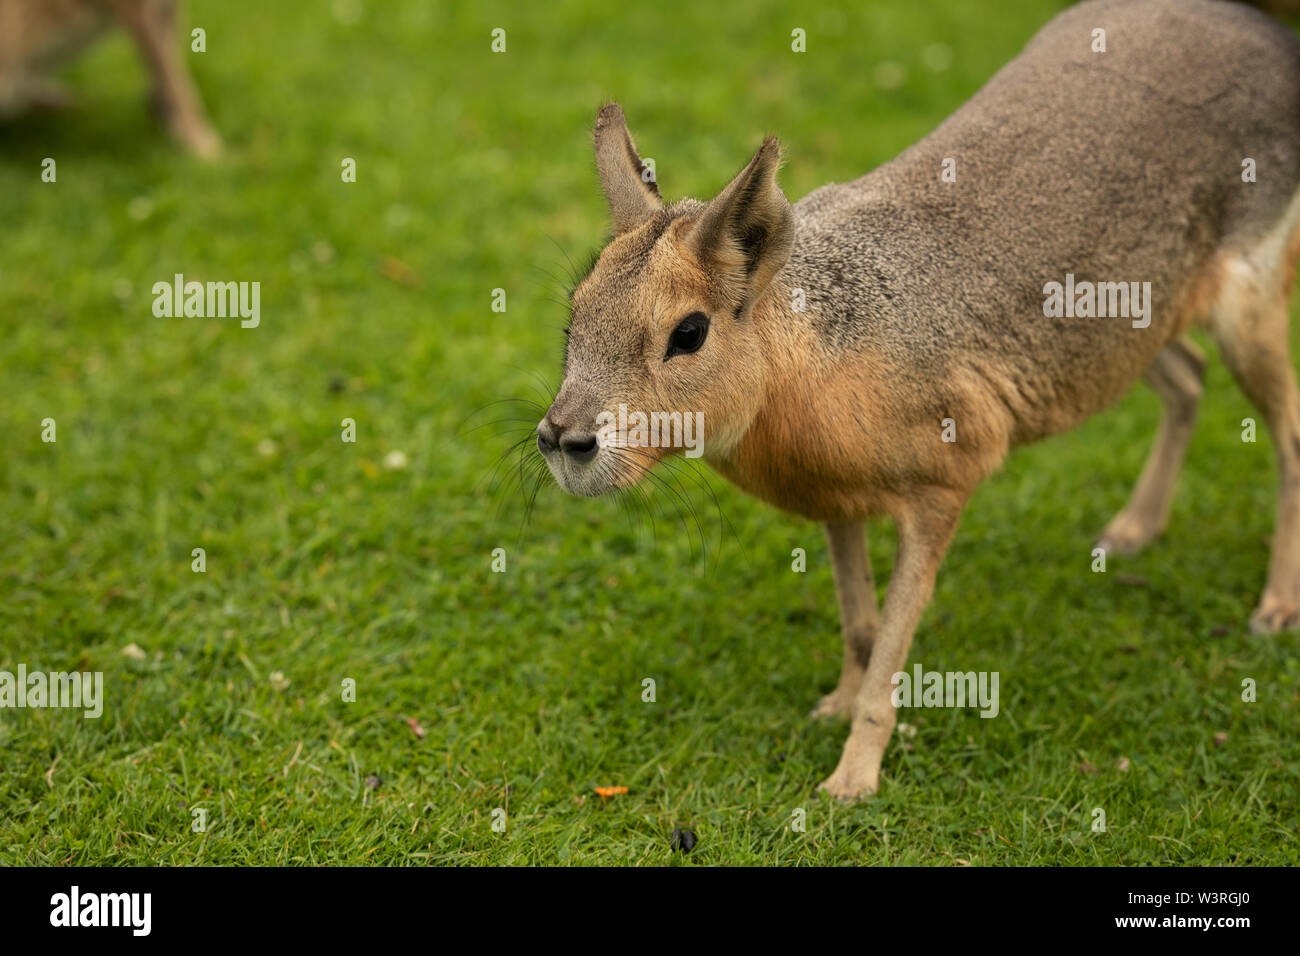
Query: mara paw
[
  {"x": 847, "y": 785},
  {"x": 1127, "y": 535},
  {"x": 200, "y": 139},
  {"x": 1275, "y": 615},
  {"x": 838, "y": 704}
]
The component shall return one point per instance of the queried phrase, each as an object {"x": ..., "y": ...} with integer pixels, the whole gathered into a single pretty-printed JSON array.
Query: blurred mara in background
[{"x": 38, "y": 36}]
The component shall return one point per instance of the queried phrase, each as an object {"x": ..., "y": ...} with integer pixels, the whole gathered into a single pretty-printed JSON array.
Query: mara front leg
[
  {"x": 925, "y": 528},
  {"x": 153, "y": 25},
  {"x": 859, "y": 616}
]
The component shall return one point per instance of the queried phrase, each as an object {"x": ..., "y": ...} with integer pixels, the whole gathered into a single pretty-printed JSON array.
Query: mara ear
[
  {"x": 745, "y": 234},
  {"x": 632, "y": 197}
]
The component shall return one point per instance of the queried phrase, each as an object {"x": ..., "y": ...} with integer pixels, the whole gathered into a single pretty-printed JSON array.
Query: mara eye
[{"x": 688, "y": 336}]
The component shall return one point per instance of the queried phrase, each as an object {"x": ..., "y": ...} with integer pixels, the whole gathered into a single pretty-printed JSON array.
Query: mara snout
[
  {"x": 879, "y": 346},
  {"x": 37, "y": 36}
]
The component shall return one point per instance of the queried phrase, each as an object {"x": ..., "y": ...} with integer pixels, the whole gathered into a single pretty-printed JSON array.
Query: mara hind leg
[
  {"x": 1176, "y": 376},
  {"x": 1249, "y": 323}
]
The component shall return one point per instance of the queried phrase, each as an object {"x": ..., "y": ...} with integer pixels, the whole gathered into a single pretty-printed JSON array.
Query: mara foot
[
  {"x": 838, "y": 704},
  {"x": 847, "y": 784},
  {"x": 1275, "y": 615},
  {"x": 1127, "y": 534},
  {"x": 858, "y": 772}
]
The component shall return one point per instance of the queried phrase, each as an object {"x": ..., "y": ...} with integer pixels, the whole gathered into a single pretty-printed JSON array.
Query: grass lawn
[{"x": 324, "y": 563}]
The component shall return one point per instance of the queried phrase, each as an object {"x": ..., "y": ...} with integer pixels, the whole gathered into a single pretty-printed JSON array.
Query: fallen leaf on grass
[
  {"x": 398, "y": 271},
  {"x": 418, "y": 730}
]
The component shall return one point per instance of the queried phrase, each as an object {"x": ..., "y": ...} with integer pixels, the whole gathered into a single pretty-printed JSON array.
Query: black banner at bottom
[{"x": 342, "y": 905}]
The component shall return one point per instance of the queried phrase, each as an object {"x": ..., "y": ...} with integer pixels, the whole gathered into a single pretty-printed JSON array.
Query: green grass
[{"x": 474, "y": 172}]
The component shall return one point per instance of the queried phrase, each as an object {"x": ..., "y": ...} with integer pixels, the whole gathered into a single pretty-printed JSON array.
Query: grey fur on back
[{"x": 1115, "y": 166}]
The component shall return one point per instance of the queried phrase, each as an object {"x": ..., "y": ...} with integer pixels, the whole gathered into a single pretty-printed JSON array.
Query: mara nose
[
  {"x": 581, "y": 448},
  {"x": 579, "y": 445}
]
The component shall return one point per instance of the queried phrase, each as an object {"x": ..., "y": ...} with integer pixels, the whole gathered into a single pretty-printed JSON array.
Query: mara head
[{"x": 664, "y": 354}]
